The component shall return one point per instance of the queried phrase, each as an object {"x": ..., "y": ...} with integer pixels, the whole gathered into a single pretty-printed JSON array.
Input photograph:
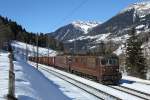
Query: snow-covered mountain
[
  {"x": 141, "y": 8},
  {"x": 74, "y": 30},
  {"x": 117, "y": 28},
  {"x": 85, "y": 26},
  {"x": 88, "y": 34},
  {"x": 136, "y": 15}
]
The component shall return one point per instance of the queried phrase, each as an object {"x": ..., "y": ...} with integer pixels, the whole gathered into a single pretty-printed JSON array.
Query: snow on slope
[
  {"x": 98, "y": 38},
  {"x": 84, "y": 26},
  {"x": 120, "y": 50},
  {"x": 140, "y": 26},
  {"x": 141, "y": 8},
  {"x": 32, "y": 49}
]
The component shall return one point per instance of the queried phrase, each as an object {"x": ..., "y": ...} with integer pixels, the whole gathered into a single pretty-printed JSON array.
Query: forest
[{"x": 11, "y": 31}]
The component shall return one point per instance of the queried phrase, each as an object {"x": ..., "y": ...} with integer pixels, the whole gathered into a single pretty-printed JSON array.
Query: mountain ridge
[{"x": 116, "y": 29}]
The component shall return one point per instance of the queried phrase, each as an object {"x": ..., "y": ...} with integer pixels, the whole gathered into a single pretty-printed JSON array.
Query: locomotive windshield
[{"x": 110, "y": 61}]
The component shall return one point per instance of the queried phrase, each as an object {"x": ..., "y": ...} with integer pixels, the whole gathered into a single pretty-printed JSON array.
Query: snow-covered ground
[
  {"x": 68, "y": 89},
  {"x": 135, "y": 79},
  {"x": 136, "y": 83},
  {"x": 32, "y": 84},
  {"x": 4, "y": 68},
  {"x": 128, "y": 83}
]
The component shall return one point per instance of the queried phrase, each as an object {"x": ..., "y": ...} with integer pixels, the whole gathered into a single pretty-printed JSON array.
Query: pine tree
[{"x": 135, "y": 61}]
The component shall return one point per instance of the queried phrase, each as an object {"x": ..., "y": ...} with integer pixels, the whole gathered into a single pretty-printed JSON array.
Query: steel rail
[{"x": 91, "y": 90}]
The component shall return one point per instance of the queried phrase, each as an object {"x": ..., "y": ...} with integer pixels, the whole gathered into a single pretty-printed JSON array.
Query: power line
[{"x": 69, "y": 15}]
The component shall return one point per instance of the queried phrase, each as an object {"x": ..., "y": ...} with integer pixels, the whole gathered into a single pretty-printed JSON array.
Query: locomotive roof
[{"x": 104, "y": 56}]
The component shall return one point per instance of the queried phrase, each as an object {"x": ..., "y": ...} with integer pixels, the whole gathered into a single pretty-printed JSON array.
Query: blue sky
[{"x": 48, "y": 15}]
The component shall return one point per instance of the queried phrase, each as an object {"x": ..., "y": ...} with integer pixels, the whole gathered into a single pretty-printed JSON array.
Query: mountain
[
  {"x": 88, "y": 34},
  {"x": 74, "y": 30},
  {"x": 111, "y": 36},
  {"x": 137, "y": 15}
]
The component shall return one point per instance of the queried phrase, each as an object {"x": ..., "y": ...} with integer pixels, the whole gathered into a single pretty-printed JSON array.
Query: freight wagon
[{"x": 102, "y": 69}]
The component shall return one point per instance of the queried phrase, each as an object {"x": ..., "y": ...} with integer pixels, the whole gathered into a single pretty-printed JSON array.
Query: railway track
[
  {"x": 96, "y": 92},
  {"x": 134, "y": 92},
  {"x": 93, "y": 91}
]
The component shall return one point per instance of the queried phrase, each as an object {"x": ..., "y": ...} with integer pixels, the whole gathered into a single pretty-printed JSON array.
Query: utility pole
[
  {"x": 74, "y": 46},
  {"x": 37, "y": 51},
  {"x": 26, "y": 51},
  {"x": 48, "y": 48},
  {"x": 101, "y": 48},
  {"x": 11, "y": 83}
]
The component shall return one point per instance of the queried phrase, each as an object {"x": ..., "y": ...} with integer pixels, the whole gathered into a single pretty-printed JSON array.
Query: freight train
[{"x": 102, "y": 69}]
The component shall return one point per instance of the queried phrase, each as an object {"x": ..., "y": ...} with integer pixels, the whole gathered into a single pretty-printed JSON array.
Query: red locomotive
[{"x": 102, "y": 69}]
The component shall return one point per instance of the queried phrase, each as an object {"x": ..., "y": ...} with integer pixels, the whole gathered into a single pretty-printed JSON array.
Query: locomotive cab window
[{"x": 112, "y": 61}]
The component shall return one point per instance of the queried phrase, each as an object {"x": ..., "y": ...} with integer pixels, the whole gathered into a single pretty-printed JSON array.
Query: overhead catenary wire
[{"x": 70, "y": 14}]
